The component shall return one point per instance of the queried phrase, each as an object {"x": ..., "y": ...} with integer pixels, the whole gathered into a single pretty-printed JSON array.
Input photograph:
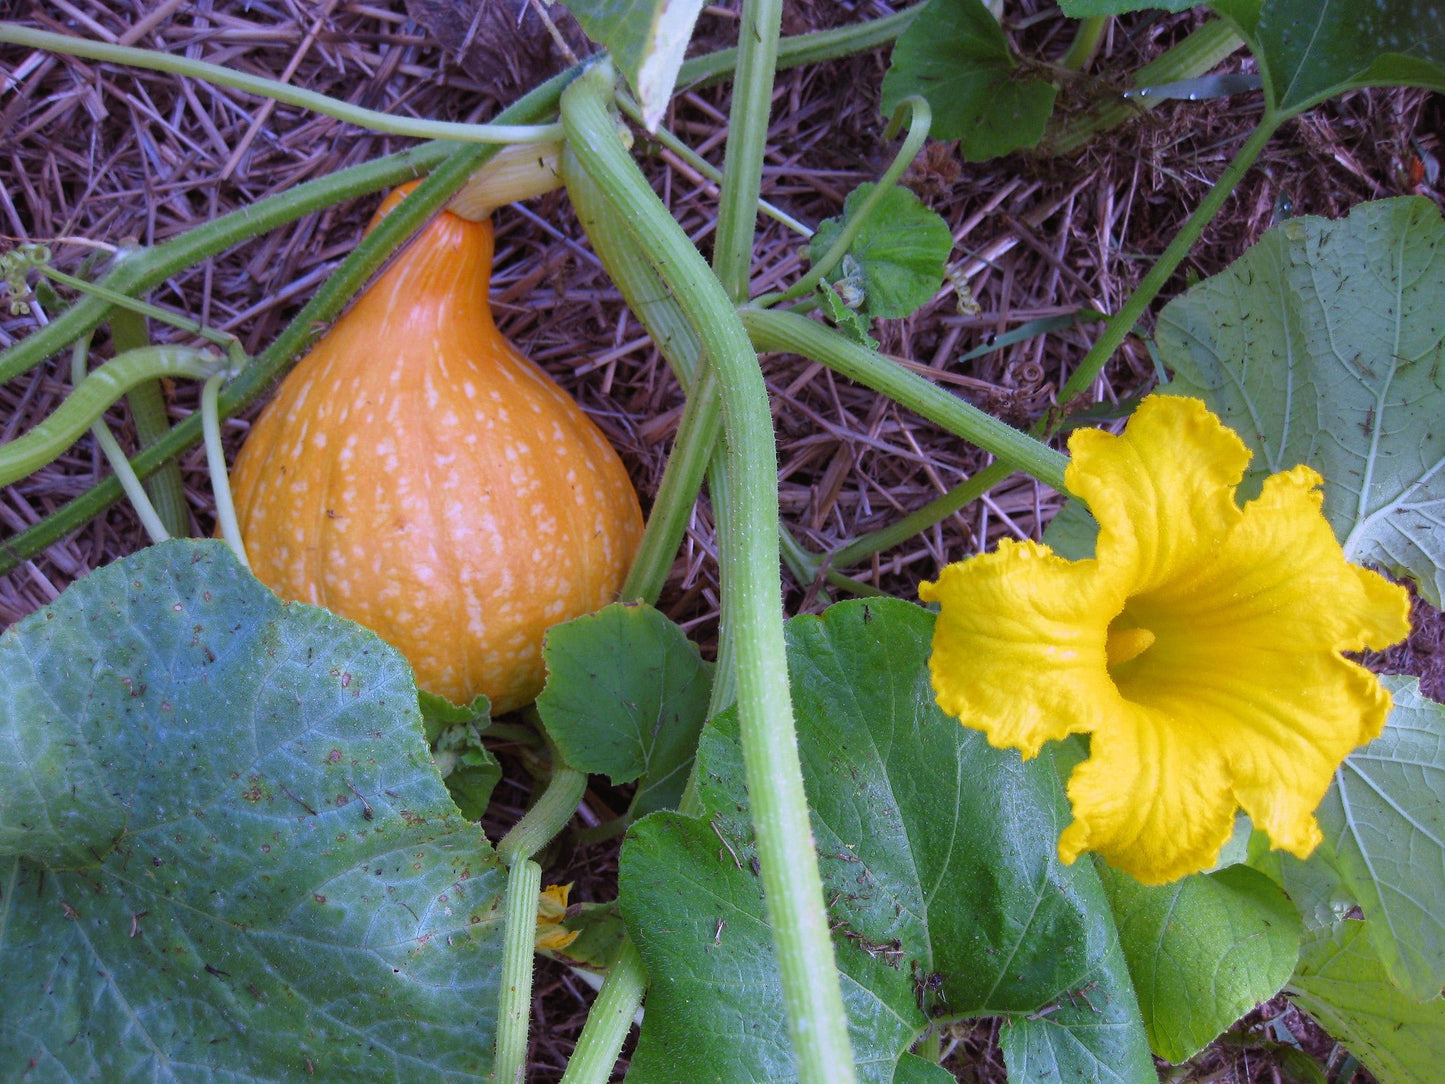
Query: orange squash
[{"x": 417, "y": 474}]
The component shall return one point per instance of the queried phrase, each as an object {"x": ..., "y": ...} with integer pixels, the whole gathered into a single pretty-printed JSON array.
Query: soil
[{"x": 93, "y": 156}]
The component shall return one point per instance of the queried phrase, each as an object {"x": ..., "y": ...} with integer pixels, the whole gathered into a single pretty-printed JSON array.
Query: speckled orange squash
[{"x": 417, "y": 474}]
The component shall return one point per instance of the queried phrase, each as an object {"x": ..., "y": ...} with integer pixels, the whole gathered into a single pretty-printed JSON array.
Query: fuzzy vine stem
[
  {"x": 609, "y": 1020},
  {"x": 786, "y": 331},
  {"x": 747, "y": 140},
  {"x": 276, "y": 90},
  {"x": 216, "y": 464},
  {"x": 751, "y": 592},
  {"x": 1123, "y": 321},
  {"x": 155, "y": 527},
  {"x": 92, "y": 397},
  {"x": 514, "y": 1004}
]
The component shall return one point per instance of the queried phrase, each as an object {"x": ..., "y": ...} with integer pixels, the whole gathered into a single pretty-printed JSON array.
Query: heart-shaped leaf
[
  {"x": 1203, "y": 951},
  {"x": 897, "y": 258},
  {"x": 626, "y": 696},
  {"x": 226, "y": 850},
  {"x": 955, "y": 56},
  {"x": 1323, "y": 344},
  {"x": 939, "y": 859}
]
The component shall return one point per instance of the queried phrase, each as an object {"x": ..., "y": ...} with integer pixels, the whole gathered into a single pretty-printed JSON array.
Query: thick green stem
[
  {"x": 609, "y": 1020},
  {"x": 550, "y": 815},
  {"x": 285, "y": 93},
  {"x": 1123, "y": 321},
  {"x": 514, "y": 1005},
  {"x": 1087, "y": 35},
  {"x": 751, "y": 593},
  {"x": 747, "y": 143},
  {"x": 786, "y": 331},
  {"x": 92, "y": 397},
  {"x": 147, "y": 404}
]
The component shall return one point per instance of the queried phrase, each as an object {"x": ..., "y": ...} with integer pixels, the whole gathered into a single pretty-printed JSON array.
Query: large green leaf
[
  {"x": 1310, "y": 50},
  {"x": 1324, "y": 344},
  {"x": 939, "y": 857},
  {"x": 226, "y": 851},
  {"x": 647, "y": 40},
  {"x": 1203, "y": 951},
  {"x": 897, "y": 257},
  {"x": 626, "y": 696},
  {"x": 955, "y": 56},
  {"x": 1343, "y": 985},
  {"x": 1384, "y": 826}
]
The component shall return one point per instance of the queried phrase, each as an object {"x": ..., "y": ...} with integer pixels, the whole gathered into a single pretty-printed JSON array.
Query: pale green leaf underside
[
  {"x": 647, "y": 40},
  {"x": 1342, "y": 984},
  {"x": 1325, "y": 344},
  {"x": 227, "y": 851},
  {"x": 939, "y": 858},
  {"x": 1384, "y": 826}
]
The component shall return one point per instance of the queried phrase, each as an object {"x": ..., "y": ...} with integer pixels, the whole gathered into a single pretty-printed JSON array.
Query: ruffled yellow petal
[
  {"x": 1019, "y": 646},
  {"x": 1153, "y": 798},
  {"x": 1163, "y": 491}
]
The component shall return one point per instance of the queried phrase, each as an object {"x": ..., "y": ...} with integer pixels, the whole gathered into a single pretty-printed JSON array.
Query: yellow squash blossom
[
  {"x": 1200, "y": 648},
  {"x": 552, "y": 936}
]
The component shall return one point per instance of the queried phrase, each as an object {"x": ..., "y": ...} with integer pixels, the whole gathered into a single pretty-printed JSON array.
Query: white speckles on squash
[{"x": 418, "y": 475}]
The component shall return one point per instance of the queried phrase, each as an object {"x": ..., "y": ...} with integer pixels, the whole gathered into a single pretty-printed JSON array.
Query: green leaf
[
  {"x": 438, "y": 713},
  {"x": 1310, "y": 50},
  {"x": 939, "y": 859},
  {"x": 468, "y": 768},
  {"x": 1203, "y": 951},
  {"x": 626, "y": 696},
  {"x": 897, "y": 259},
  {"x": 1343, "y": 985},
  {"x": 1384, "y": 825},
  {"x": 956, "y": 56},
  {"x": 227, "y": 853},
  {"x": 850, "y": 322},
  {"x": 647, "y": 40},
  {"x": 912, "y": 1069},
  {"x": 1324, "y": 344}
]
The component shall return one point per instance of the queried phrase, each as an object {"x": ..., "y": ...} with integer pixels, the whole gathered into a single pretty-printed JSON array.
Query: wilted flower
[{"x": 1200, "y": 648}]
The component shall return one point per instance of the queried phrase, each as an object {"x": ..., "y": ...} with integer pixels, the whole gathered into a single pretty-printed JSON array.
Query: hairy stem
[{"x": 751, "y": 593}]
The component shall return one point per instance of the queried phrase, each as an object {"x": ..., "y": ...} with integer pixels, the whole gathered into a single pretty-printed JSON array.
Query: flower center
[{"x": 1126, "y": 641}]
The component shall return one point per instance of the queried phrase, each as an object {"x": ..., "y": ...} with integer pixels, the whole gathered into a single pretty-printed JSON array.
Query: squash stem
[
  {"x": 147, "y": 402},
  {"x": 92, "y": 397},
  {"x": 514, "y": 1005},
  {"x": 286, "y": 93},
  {"x": 773, "y": 330},
  {"x": 140, "y": 500},
  {"x": 216, "y": 464},
  {"x": 1123, "y": 321},
  {"x": 609, "y": 1020},
  {"x": 751, "y": 592},
  {"x": 747, "y": 141}
]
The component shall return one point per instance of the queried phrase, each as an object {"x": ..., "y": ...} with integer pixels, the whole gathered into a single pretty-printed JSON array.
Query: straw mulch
[{"x": 94, "y": 156}]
